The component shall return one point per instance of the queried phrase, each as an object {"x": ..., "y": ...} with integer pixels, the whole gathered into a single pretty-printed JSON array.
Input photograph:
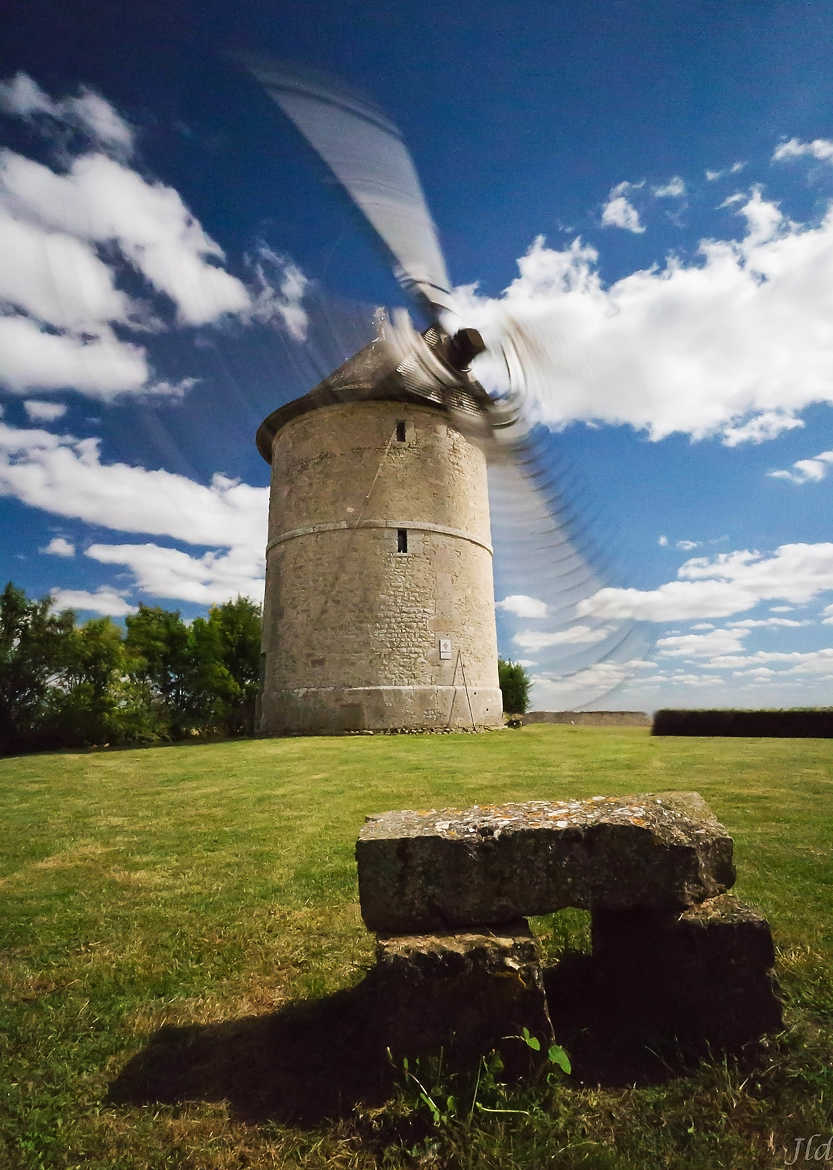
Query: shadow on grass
[
  {"x": 308, "y": 1061},
  {"x": 317, "y": 1059}
]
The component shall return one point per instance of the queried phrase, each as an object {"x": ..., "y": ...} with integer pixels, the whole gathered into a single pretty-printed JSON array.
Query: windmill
[{"x": 379, "y": 604}]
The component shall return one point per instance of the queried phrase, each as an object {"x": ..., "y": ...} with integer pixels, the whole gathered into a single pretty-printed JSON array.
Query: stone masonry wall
[{"x": 344, "y": 608}]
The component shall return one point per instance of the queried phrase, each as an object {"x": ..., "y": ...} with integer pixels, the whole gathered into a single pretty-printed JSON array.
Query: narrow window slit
[
  {"x": 400, "y": 430},
  {"x": 402, "y": 540}
]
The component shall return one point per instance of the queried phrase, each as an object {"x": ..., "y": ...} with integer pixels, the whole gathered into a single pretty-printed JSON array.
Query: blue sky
[{"x": 647, "y": 187}]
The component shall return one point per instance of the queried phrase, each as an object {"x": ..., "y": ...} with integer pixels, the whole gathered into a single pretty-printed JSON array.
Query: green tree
[
  {"x": 33, "y": 655},
  {"x": 94, "y": 701},
  {"x": 226, "y": 655},
  {"x": 514, "y": 686},
  {"x": 159, "y": 655}
]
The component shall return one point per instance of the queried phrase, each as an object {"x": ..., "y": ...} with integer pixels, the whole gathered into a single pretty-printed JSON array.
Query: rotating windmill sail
[{"x": 532, "y": 512}]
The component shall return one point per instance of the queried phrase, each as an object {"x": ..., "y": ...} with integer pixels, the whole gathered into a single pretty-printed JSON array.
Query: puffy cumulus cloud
[
  {"x": 102, "y": 367},
  {"x": 578, "y": 635},
  {"x": 44, "y": 411},
  {"x": 101, "y": 200},
  {"x": 87, "y": 111},
  {"x": 104, "y": 601},
  {"x": 56, "y": 278},
  {"x": 76, "y": 231},
  {"x": 733, "y": 343},
  {"x": 59, "y": 547},
  {"x": 709, "y": 645},
  {"x": 619, "y": 211},
  {"x": 790, "y": 663},
  {"x": 795, "y": 572},
  {"x": 674, "y": 189},
  {"x": 674, "y": 601},
  {"x": 169, "y": 573},
  {"x": 729, "y": 583},
  {"x": 523, "y": 606},
  {"x": 65, "y": 476},
  {"x": 819, "y": 148},
  {"x": 761, "y": 428},
  {"x": 806, "y": 470}
]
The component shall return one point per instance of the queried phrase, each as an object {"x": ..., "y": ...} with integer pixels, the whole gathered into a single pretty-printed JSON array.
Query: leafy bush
[{"x": 514, "y": 686}]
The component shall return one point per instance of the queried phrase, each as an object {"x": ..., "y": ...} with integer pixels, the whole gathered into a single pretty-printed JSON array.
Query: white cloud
[
  {"x": 674, "y": 601},
  {"x": 88, "y": 111},
  {"x": 107, "y": 602},
  {"x": 578, "y": 635},
  {"x": 721, "y": 586},
  {"x": 619, "y": 211},
  {"x": 169, "y": 573},
  {"x": 65, "y": 476},
  {"x": 794, "y": 662},
  {"x": 717, "y": 642},
  {"x": 703, "y": 626},
  {"x": 781, "y": 608},
  {"x": 662, "y": 541},
  {"x": 283, "y": 303},
  {"x": 74, "y": 232},
  {"x": 712, "y": 176},
  {"x": 44, "y": 411},
  {"x": 674, "y": 189},
  {"x": 819, "y": 148},
  {"x": 523, "y": 606},
  {"x": 735, "y": 342},
  {"x": 59, "y": 547},
  {"x": 687, "y": 545},
  {"x": 766, "y": 623},
  {"x": 769, "y": 424},
  {"x": 101, "y": 367},
  {"x": 57, "y": 278},
  {"x": 795, "y": 572},
  {"x": 807, "y": 470},
  {"x": 101, "y": 200}
]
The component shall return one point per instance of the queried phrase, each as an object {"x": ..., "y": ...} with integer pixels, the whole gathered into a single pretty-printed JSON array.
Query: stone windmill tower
[{"x": 379, "y": 606}]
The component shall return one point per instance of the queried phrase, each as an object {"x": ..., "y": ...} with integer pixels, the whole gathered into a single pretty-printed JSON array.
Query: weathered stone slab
[
  {"x": 704, "y": 974},
  {"x": 436, "y": 870},
  {"x": 466, "y": 992}
]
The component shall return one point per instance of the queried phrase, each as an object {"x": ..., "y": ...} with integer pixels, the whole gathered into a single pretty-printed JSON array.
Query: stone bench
[{"x": 448, "y": 893}]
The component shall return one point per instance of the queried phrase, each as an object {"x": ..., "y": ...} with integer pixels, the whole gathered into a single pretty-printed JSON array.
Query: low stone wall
[{"x": 591, "y": 718}]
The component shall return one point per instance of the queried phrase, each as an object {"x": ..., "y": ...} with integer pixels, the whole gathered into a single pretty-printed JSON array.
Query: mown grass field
[{"x": 176, "y": 924}]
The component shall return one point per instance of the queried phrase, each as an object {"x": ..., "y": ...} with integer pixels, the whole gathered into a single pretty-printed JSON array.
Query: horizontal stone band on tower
[
  {"x": 435, "y": 870},
  {"x": 346, "y": 525}
]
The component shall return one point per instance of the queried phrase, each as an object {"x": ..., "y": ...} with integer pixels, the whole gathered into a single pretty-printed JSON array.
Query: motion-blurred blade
[
  {"x": 546, "y": 563},
  {"x": 366, "y": 153}
]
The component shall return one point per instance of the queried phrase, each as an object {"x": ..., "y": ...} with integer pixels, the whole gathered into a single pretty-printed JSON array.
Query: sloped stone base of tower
[{"x": 331, "y": 710}]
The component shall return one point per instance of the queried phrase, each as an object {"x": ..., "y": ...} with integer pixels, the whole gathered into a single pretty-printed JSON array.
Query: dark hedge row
[{"x": 792, "y": 723}]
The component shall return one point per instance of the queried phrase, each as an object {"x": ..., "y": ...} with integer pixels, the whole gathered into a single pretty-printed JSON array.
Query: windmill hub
[{"x": 465, "y": 346}]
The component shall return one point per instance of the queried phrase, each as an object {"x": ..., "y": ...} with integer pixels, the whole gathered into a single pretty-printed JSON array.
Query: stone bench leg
[
  {"x": 701, "y": 975},
  {"x": 465, "y": 992}
]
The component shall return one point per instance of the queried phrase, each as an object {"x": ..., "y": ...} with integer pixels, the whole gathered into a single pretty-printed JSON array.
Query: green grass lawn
[{"x": 176, "y": 925}]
